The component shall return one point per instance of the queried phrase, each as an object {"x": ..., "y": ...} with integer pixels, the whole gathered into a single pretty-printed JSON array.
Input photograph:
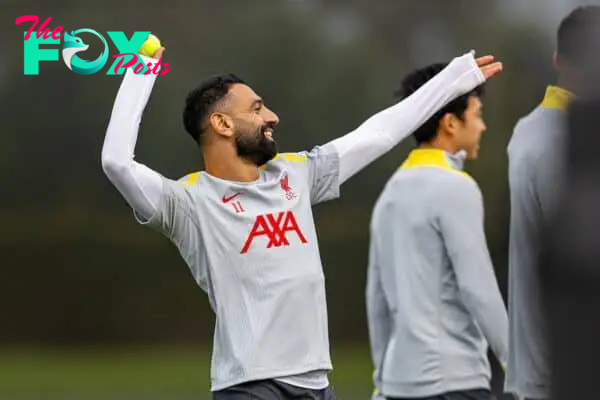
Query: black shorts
[
  {"x": 272, "y": 390},
  {"x": 475, "y": 394}
]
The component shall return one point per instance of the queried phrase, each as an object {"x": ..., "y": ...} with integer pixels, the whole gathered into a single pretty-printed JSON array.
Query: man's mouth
[{"x": 268, "y": 132}]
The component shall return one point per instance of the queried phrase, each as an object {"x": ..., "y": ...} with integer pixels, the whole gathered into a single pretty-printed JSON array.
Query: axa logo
[
  {"x": 73, "y": 44},
  {"x": 275, "y": 228}
]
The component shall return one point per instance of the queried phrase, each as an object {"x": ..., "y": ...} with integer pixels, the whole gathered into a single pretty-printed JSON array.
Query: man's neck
[
  {"x": 439, "y": 145},
  {"x": 568, "y": 84},
  {"x": 229, "y": 167},
  {"x": 454, "y": 156}
]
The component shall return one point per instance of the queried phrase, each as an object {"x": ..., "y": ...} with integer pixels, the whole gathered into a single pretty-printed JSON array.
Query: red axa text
[{"x": 275, "y": 228}]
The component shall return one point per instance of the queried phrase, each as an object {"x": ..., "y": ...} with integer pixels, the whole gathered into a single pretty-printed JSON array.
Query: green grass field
[{"x": 148, "y": 373}]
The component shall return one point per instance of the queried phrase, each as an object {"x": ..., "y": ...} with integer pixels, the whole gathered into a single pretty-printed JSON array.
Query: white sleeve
[
  {"x": 384, "y": 130},
  {"x": 139, "y": 185}
]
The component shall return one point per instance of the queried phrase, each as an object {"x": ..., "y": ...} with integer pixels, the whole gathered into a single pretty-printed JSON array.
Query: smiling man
[{"x": 245, "y": 226}]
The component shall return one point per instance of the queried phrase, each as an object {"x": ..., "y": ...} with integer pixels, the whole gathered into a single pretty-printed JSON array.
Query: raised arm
[
  {"x": 384, "y": 130},
  {"x": 462, "y": 227},
  {"x": 139, "y": 185}
]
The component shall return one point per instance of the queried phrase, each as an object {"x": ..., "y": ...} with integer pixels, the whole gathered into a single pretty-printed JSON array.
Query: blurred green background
[
  {"x": 94, "y": 306},
  {"x": 143, "y": 372}
]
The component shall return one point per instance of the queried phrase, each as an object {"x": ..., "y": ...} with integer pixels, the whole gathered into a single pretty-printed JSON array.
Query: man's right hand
[
  {"x": 159, "y": 53},
  {"x": 489, "y": 68}
]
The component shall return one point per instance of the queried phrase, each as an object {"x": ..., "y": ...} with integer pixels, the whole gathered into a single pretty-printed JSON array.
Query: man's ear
[
  {"x": 449, "y": 123},
  {"x": 222, "y": 124}
]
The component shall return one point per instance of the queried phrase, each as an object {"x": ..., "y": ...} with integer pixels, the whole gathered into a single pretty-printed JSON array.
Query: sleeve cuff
[
  {"x": 468, "y": 74},
  {"x": 475, "y": 68}
]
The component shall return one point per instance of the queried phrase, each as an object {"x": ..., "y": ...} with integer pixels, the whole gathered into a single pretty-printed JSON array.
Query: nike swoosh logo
[{"x": 228, "y": 199}]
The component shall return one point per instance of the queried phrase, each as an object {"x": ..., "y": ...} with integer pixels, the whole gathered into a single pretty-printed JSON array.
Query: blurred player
[
  {"x": 433, "y": 303},
  {"x": 245, "y": 226},
  {"x": 536, "y": 164}
]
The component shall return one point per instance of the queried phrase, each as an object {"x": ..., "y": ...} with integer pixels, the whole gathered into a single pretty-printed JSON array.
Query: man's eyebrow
[{"x": 256, "y": 102}]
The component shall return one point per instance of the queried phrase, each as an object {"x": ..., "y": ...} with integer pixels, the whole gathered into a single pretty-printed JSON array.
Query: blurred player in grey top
[
  {"x": 245, "y": 227},
  {"x": 433, "y": 301},
  {"x": 536, "y": 165}
]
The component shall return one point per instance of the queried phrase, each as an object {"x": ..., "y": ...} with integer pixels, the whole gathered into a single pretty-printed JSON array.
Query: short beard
[{"x": 254, "y": 146}]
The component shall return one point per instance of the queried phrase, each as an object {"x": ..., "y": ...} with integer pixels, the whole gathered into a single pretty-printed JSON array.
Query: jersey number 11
[{"x": 237, "y": 206}]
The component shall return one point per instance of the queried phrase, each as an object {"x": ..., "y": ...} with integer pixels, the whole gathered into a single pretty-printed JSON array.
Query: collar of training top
[
  {"x": 557, "y": 98},
  {"x": 436, "y": 158}
]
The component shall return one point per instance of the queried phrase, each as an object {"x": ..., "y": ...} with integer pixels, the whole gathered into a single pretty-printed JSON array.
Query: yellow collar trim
[
  {"x": 430, "y": 158},
  {"x": 557, "y": 98}
]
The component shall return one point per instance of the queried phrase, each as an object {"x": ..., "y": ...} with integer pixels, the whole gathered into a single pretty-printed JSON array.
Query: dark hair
[
  {"x": 413, "y": 81},
  {"x": 578, "y": 35},
  {"x": 201, "y": 101}
]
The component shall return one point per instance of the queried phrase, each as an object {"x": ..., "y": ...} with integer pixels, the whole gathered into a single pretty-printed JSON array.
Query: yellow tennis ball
[{"x": 150, "y": 46}]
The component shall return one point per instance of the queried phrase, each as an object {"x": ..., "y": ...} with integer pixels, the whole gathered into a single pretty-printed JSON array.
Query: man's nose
[{"x": 271, "y": 117}]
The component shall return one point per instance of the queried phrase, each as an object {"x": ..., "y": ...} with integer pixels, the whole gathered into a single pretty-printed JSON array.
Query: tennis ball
[{"x": 150, "y": 46}]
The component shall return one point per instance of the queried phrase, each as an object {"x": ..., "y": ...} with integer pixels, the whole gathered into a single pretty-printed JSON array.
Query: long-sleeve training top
[
  {"x": 252, "y": 246},
  {"x": 142, "y": 186},
  {"x": 433, "y": 301},
  {"x": 536, "y": 164}
]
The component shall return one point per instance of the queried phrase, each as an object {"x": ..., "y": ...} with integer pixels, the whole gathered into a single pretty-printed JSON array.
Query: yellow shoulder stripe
[
  {"x": 292, "y": 157},
  {"x": 430, "y": 158},
  {"x": 191, "y": 179}
]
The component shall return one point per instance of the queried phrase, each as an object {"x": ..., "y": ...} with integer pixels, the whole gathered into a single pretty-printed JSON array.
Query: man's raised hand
[
  {"x": 159, "y": 53},
  {"x": 488, "y": 66}
]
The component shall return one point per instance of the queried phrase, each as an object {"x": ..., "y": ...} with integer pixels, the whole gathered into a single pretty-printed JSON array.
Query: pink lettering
[
  {"x": 148, "y": 71},
  {"x": 28, "y": 18},
  {"x": 129, "y": 63},
  {"x": 42, "y": 30},
  {"x": 165, "y": 70},
  {"x": 56, "y": 31},
  {"x": 156, "y": 66},
  {"x": 138, "y": 68}
]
